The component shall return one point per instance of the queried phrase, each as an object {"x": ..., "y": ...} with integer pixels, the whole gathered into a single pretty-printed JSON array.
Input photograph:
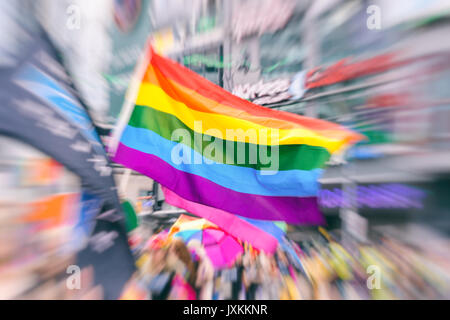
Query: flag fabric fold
[
  {"x": 228, "y": 222},
  {"x": 212, "y": 148}
]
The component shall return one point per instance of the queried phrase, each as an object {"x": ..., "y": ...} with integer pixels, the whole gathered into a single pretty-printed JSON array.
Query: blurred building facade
[
  {"x": 375, "y": 66},
  {"x": 328, "y": 59}
]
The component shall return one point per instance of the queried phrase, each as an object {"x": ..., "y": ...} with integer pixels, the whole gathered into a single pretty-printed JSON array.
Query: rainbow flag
[{"x": 216, "y": 149}]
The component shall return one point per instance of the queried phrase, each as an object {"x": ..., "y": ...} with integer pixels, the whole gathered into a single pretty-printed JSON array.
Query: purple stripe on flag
[{"x": 294, "y": 210}]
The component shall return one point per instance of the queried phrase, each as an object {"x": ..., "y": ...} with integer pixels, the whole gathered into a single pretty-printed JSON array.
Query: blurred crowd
[{"x": 322, "y": 269}]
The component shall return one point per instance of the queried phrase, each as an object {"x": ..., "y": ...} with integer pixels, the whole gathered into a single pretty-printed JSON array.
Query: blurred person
[
  {"x": 237, "y": 283},
  {"x": 159, "y": 275},
  {"x": 204, "y": 283},
  {"x": 321, "y": 275},
  {"x": 182, "y": 271},
  {"x": 250, "y": 275},
  {"x": 269, "y": 286},
  {"x": 187, "y": 268},
  {"x": 290, "y": 291},
  {"x": 224, "y": 284}
]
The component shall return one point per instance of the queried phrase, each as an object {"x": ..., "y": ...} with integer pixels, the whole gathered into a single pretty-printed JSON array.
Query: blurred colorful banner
[{"x": 39, "y": 106}]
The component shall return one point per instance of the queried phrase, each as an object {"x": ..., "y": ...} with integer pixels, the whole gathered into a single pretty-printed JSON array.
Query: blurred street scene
[{"x": 76, "y": 223}]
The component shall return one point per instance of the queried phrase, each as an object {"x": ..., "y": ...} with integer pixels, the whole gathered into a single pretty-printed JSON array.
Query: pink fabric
[
  {"x": 212, "y": 236},
  {"x": 228, "y": 222},
  {"x": 181, "y": 289},
  {"x": 231, "y": 249},
  {"x": 224, "y": 253}
]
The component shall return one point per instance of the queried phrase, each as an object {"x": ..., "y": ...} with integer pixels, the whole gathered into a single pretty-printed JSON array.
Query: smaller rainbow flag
[{"x": 216, "y": 149}]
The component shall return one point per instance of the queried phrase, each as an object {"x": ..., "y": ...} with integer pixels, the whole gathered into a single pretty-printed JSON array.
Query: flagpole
[
  {"x": 130, "y": 98},
  {"x": 127, "y": 109}
]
